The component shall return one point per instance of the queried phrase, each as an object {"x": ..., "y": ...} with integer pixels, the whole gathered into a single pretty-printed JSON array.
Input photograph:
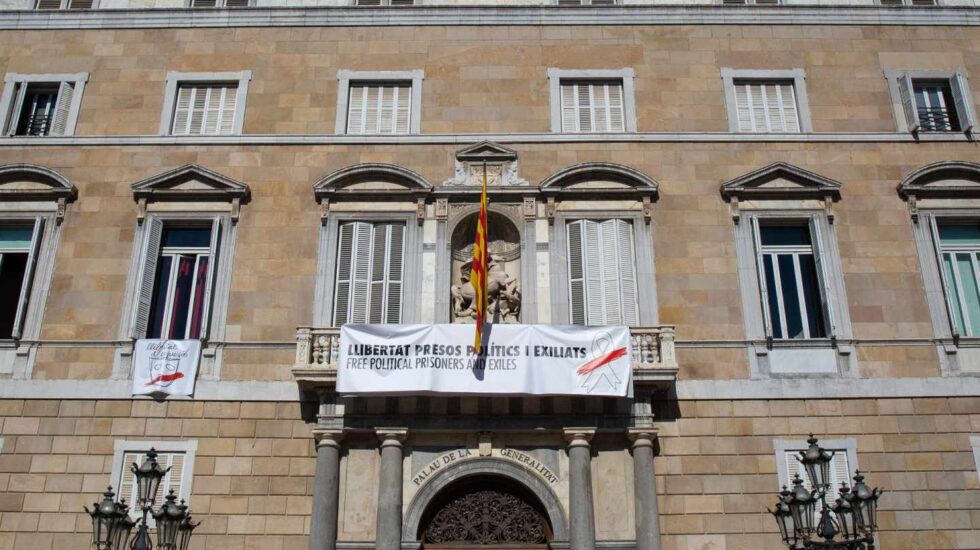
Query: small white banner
[
  {"x": 165, "y": 366},
  {"x": 517, "y": 359}
]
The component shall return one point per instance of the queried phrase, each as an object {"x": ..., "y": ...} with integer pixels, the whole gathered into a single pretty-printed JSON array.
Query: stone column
[
  {"x": 389, "y": 527},
  {"x": 645, "y": 489},
  {"x": 323, "y": 526},
  {"x": 580, "y": 508}
]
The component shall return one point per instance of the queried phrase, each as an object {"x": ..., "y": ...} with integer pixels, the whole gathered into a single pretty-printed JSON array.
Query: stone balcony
[{"x": 654, "y": 360}]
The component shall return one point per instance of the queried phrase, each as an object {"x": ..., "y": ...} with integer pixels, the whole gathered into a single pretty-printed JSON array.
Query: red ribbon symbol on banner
[
  {"x": 600, "y": 361},
  {"x": 166, "y": 378}
]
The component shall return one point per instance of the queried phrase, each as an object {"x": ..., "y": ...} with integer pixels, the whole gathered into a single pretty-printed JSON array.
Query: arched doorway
[{"x": 485, "y": 511}]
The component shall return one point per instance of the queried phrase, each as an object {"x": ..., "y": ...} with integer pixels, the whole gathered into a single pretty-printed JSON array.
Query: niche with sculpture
[{"x": 503, "y": 275}]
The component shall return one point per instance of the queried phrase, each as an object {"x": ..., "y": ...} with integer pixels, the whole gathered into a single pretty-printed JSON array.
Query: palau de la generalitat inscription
[{"x": 444, "y": 460}]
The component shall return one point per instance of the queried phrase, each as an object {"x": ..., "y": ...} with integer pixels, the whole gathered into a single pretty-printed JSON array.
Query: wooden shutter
[
  {"x": 947, "y": 292},
  {"x": 353, "y": 273},
  {"x": 839, "y": 471},
  {"x": 396, "y": 255},
  {"x": 182, "y": 110},
  {"x": 576, "y": 272},
  {"x": 614, "y": 107},
  {"x": 786, "y": 98},
  {"x": 144, "y": 283},
  {"x": 345, "y": 260},
  {"x": 569, "y": 111},
  {"x": 627, "y": 271},
  {"x": 584, "y": 106},
  {"x": 761, "y": 272},
  {"x": 13, "y": 116},
  {"x": 823, "y": 274},
  {"x": 236, "y": 3},
  {"x": 743, "y": 107},
  {"x": 80, "y": 4},
  {"x": 214, "y": 258},
  {"x": 907, "y": 94},
  {"x": 379, "y": 274},
  {"x": 595, "y": 306},
  {"x": 355, "y": 109},
  {"x": 403, "y": 107},
  {"x": 384, "y": 301},
  {"x": 174, "y": 479},
  {"x": 63, "y": 106},
  {"x": 49, "y": 4},
  {"x": 28, "y": 283},
  {"x": 204, "y": 3},
  {"x": 963, "y": 101},
  {"x": 368, "y": 2}
]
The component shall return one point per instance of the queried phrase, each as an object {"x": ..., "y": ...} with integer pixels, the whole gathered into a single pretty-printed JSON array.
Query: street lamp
[
  {"x": 852, "y": 516},
  {"x": 111, "y": 524}
]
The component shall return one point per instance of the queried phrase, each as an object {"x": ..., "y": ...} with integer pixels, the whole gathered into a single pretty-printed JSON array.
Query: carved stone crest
[{"x": 501, "y": 164}]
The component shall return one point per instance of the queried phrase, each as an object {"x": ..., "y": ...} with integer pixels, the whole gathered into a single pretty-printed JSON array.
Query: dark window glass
[
  {"x": 159, "y": 305},
  {"x": 811, "y": 293},
  {"x": 785, "y": 235},
  {"x": 937, "y": 110},
  {"x": 791, "y": 298},
  {"x": 37, "y": 111},
  {"x": 774, "y": 315},
  {"x": 186, "y": 237},
  {"x": 12, "y": 268}
]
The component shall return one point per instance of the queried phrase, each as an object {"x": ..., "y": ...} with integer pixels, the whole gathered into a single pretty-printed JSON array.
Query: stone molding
[
  {"x": 926, "y": 181},
  {"x": 165, "y": 188},
  {"x": 578, "y": 437},
  {"x": 328, "y": 438},
  {"x": 642, "y": 437},
  {"x": 391, "y": 437},
  {"x": 495, "y": 16},
  {"x": 59, "y": 190}
]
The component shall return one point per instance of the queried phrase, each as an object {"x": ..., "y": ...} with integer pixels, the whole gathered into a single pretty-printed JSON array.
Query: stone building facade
[{"x": 705, "y": 131}]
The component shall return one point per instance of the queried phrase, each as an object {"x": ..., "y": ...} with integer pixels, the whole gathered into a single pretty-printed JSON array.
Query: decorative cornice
[
  {"x": 487, "y": 16},
  {"x": 810, "y": 184},
  {"x": 928, "y": 181},
  {"x": 164, "y": 188},
  {"x": 335, "y": 184},
  {"x": 58, "y": 186}
]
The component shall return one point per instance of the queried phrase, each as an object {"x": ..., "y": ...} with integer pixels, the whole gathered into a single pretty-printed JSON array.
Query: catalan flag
[{"x": 478, "y": 269}]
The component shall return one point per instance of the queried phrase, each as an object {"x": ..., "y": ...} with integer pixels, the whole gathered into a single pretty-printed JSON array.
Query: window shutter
[
  {"x": 65, "y": 93},
  {"x": 28, "y": 283},
  {"x": 786, "y": 94},
  {"x": 576, "y": 273},
  {"x": 627, "y": 272},
  {"x": 823, "y": 273},
  {"x": 355, "y": 108},
  {"x": 236, "y": 3},
  {"x": 174, "y": 479},
  {"x": 229, "y": 103},
  {"x": 20, "y": 90},
  {"x": 203, "y": 3},
  {"x": 569, "y": 112},
  {"x": 182, "y": 111},
  {"x": 760, "y": 271},
  {"x": 595, "y": 306},
  {"x": 947, "y": 292},
  {"x": 49, "y": 4},
  {"x": 584, "y": 105},
  {"x": 345, "y": 260},
  {"x": 214, "y": 257},
  {"x": 361, "y": 273},
  {"x": 963, "y": 101},
  {"x": 372, "y": 107},
  {"x": 743, "y": 108},
  {"x": 379, "y": 272},
  {"x": 198, "y": 106},
  {"x": 403, "y": 106},
  {"x": 147, "y": 276},
  {"x": 386, "y": 118},
  {"x": 396, "y": 248},
  {"x": 907, "y": 94},
  {"x": 80, "y": 4},
  {"x": 839, "y": 470},
  {"x": 614, "y": 105}
]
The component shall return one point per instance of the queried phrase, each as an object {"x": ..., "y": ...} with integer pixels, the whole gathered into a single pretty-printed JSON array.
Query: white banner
[
  {"x": 517, "y": 359},
  {"x": 165, "y": 366}
]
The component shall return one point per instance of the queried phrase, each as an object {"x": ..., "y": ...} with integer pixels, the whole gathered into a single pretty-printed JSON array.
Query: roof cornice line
[{"x": 488, "y": 16}]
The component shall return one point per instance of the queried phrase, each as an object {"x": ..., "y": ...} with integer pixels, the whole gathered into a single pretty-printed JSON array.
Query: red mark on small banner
[
  {"x": 166, "y": 378},
  {"x": 600, "y": 361}
]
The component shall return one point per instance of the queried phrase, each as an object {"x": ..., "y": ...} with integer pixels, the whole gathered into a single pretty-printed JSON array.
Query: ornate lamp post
[
  {"x": 111, "y": 525},
  {"x": 849, "y": 523}
]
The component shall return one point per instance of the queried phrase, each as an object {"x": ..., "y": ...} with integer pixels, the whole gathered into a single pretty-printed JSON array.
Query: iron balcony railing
[
  {"x": 37, "y": 125},
  {"x": 654, "y": 360},
  {"x": 937, "y": 119}
]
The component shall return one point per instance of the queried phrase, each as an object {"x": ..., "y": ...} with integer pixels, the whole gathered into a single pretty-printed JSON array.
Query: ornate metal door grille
[{"x": 487, "y": 517}]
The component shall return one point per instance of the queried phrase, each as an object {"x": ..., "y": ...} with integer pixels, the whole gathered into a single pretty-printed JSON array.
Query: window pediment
[
  {"x": 948, "y": 179},
  {"x": 600, "y": 180},
  {"x": 190, "y": 183},
  {"x": 29, "y": 182},
  {"x": 500, "y": 162},
  {"x": 781, "y": 181},
  {"x": 372, "y": 182}
]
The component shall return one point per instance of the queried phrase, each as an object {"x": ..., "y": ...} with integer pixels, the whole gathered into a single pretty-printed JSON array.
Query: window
[
  {"x": 379, "y": 102},
  {"x": 182, "y": 282},
  {"x": 66, "y": 4},
  {"x": 931, "y": 101},
  {"x": 588, "y": 2},
  {"x": 843, "y": 463},
  {"x": 749, "y": 2},
  {"x": 790, "y": 283},
  {"x": 763, "y": 101},
  {"x": 384, "y": 2},
  {"x": 219, "y": 3},
  {"x": 176, "y": 455},
  {"x": 19, "y": 244},
  {"x": 601, "y": 272},
  {"x": 959, "y": 250},
  {"x": 369, "y": 273},
  {"x": 41, "y": 105},
  {"x": 766, "y": 106},
  {"x": 908, "y": 2},
  {"x": 592, "y": 101},
  {"x": 204, "y": 104},
  {"x": 592, "y": 106},
  {"x": 378, "y": 108}
]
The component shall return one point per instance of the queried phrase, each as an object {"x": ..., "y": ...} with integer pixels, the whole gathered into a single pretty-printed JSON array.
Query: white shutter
[
  {"x": 576, "y": 273},
  {"x": 947, "y": 292},
  {"x": 203, "y": 3},
  {"x": 49, "y": 4},
  {"x": 355, "y": 110},
  {"x": 627, "y": 272},
  {"x": 760, "y": 270},
  {"x": 372, "y": 108},
  {"x": 839, "y": 471},
  {"x": 198, "y": 105},
  {"x": 345, "y": 260},
  {"x": 743, "y": 108},
  {"x": 963, "y": 101},
  {"x": 174, "y": 479},
  {"x": 569, "y": 118},
  {"x": 757, "y": 106},
  {"x": 65, "y": 93},
  {"x": 361, "y": 273},
  {"x": 236, "y": 3},
  {"x": 907, "y": 93},
  {"x": 13, "y": 116},
  {"x": 229, "y": 102},
  {"x": 396, "y": 248},
  {"x": 614, "y": 100},
  {"x": 182, "y": 110},
  {"x": 823, "y": 274},
  {"x": 144, "y": 284},
  {"x": 214, "y": 257},
  {"x": 595, "y": 308},
  {"x": 786, "y": 97},
  {"x": 403, "y": 107},
  {"x": 28, "y": 283},
  {"x": 609, "y": 269},
  {"x": 80, "y": 4},
  {"x": 584, "y": 104},
  {"x": 379, "y": 272}
]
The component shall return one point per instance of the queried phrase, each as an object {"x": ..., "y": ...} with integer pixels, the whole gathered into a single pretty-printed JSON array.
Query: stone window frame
[
  {"x": 346, "y": 76},
  {"x": 11, "y": 80},
  {"x": 812, "y": 202},
  {"x": 627, "y": 75},
  {"x": 158, "y": 201},
  {"x": 187, "y": 446},
  {"x": 782, "y": 446},
  {"x": 892, "y": 76},
  {"x": 929, "y": 202},
  {"x": 645, "y": 189},
  {"x": 974, "y": 442},
  {"x": 329, "y": 190},
  {"x": 176, "y": 78},
  {"x": 796, "y": 75},
  {"x": 17, "y": 356}
]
